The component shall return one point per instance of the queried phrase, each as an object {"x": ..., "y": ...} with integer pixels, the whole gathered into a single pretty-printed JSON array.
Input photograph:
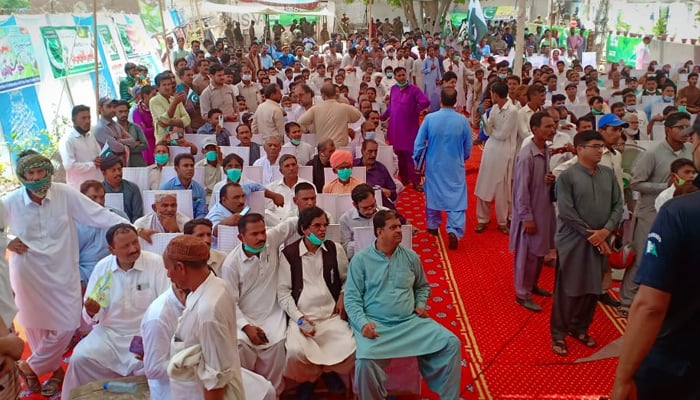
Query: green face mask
[
  {"x": 161, "y": 159},
  {"x": 399, "y": 84},
  {"x": 234, "y": 174},
  {"x": 680, "y": 181},
  {"x": 344, "y": 174},
  {"x": 682, "y": 109},
  {"x": 596, "y": 112},
  {"x": 211, "y": 155},
  {"x": 253, "y": 249},
  {"x": 295, "y": 142},
  {"x": 315, "y": 240}
]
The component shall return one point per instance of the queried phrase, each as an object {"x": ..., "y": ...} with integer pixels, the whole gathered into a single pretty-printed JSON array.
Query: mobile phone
[
  {"x": 244, "y": 211},
  {"x": 136, "y": 345},
  {"x": 180, "y": 88},
  {"x": 221, "y": 120},
  {"x": 174, "y": 136}
]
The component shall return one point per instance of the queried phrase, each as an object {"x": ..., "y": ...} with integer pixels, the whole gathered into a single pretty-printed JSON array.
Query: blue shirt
[
  {"x": 199, "y": 195},
  {"x": 287, "y": 60},
  {"x": 216, "y": 214},
  {"x": 92, "y": 243},
  {"x": 267, "y": 61}
]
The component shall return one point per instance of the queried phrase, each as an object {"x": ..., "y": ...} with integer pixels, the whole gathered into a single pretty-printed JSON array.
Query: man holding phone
[
  {"x": 219, "y": 95},
  {"x": 168, "y": 110}
]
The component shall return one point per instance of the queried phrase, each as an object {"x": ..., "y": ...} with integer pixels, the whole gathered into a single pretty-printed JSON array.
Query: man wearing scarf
[{"x": 44, "y": 263}]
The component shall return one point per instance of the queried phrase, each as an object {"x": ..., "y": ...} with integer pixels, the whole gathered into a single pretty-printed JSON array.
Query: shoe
[
  {"x": 305, "y": 391},
  {"x": 52, "y": 387},
  {"x": 504, "y": 229},
  {"x": 433, "y": 232},
  {"x": 333, "y": 383},
  {"x": 418, "y": 188},
  {"x": 452, "y": 238},
  {"x": 480, "y": 227},
  {"x": 608, "y": 301},
  {"x": 529, "y": 304},
  {"x": 538, "y": 291}
]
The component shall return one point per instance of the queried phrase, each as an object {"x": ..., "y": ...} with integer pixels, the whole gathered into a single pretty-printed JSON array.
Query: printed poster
[
  {"x": 132, "y": 42},
  {"x": 69, "y": 49},
  {"x": 108, "y": 45},
  {"x": 18, "y": 65}
]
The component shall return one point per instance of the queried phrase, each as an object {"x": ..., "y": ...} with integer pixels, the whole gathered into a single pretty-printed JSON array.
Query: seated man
[
  {"x": 184, "y": 168},
  {"x": 320, "y": 162},
  {"x": 377, "y": 174},
  {"x": 251, "y": 270},
  {"x": 227, "y": 211},
  {"x": 385, "y": 298},
  {"x": 161, "y": 154},
  {"x": 164, "y": 218},
  {"x": 92, "y": 244},
  {"x": 202, "y": 228},
  {"x": 268, "y": 162},
  {"x": 304, "y": 152},
  {"x": 233, "y": 169},
  {"x": 121, "y": 288},
  {"x": 211, "y": 164},
  {"x": 245, "y": 136},
  {"x": 341, "y": 162},
  {"x": 319, "y": 340},
  {"x": 290, "y": 178},
  {"x": 364, "y": 208},
  {"x": 222, "y": 136},
  {"x": 111, "y": 167}
]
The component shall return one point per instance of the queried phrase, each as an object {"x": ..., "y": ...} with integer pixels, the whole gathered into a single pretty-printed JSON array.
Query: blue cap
[{"x": 611, "y": 120}]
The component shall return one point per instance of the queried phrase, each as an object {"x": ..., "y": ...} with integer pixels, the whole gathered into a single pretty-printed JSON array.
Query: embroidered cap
[{"x": 187, "y": 248}]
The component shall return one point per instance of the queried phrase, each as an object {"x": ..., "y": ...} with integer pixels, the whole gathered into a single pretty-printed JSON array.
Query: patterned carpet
[{"x": 506, "y": 349}]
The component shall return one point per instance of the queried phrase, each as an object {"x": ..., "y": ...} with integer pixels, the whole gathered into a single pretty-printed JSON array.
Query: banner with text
[
  {"x": 19, "y": 66},
  {"x": 622, "y": 48},
  {"x": 69, "y": 49}
]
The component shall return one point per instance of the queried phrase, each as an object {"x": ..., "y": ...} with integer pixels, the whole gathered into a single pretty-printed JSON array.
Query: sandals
[
  {"x": 623, "y": 311},
  {"x": 585, "y": 339},
  {"x": 30, "y": 380},
  {"x": 52, "y": 387},
  {"x": 559, "y": 348}
]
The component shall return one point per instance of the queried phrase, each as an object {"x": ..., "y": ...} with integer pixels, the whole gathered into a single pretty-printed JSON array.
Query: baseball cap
[
  {"x": 104, "y": 100},
  {"x": 692, "y": 129},
  {"x": 210, "y": 141},
  {"x": 611, "y": 120}
]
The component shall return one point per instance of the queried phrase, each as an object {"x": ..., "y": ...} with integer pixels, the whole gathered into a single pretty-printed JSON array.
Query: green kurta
[
  {"x": 386, "y": 291},
  {"x": 585, "y": 201}
]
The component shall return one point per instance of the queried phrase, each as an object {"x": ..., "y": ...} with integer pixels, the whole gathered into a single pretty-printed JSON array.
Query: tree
[
  {"x": 435, "y": 12},
  {"x": 10, "y": 6}
]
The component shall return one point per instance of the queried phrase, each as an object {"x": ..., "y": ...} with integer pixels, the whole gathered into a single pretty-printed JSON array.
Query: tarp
[
  {"x": 298, "y": 4},
  {"x": 255, "y": 8}
]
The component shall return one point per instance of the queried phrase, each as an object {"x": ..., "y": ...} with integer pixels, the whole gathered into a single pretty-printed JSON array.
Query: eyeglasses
[
  {"x": 681, "y": 127},
  {"x": 594, "y": 146}
]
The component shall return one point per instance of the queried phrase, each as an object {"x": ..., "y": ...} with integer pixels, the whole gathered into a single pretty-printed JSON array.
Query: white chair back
[
  {"x": 184, "y": 201},
  {"x": 252, "y": 173},
  {"x": 385, "y": 155},
  {"x": 306, "y": 172},
  {"x": 159, "y": 241},
  {"x": 309, "y": 138},
  {"x": 334, "y": 204},
  {"x": 175, "y": 150},
  {"x": 333, "y": 232},
  {"x": 243, "y": 152},
  {"x": 136, "y": 175},
  {"x": 115, "y": 200},
  {"x": 256, "y": 202},
  {"x": 579, "y": 110}
]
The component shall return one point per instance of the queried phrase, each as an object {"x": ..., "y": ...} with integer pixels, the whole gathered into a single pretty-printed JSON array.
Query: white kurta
[
  {"x": 78, "y": 153},
  {"x": 46, "y": 279},
  {"x": 459, "y": 69},
  {"x": 209, "y": 321},
  {"x": 128, "y": 293},
  {"x": 151, "y": 221},
  {"x": 254, "y": 283},
  {"x": 499, "y": 151},
  {"x": 274, "y": 215},
  {"x": 271, "y": 172},
  {"x": 333, "y": 341},
  {"x": 8, "y": 310}
]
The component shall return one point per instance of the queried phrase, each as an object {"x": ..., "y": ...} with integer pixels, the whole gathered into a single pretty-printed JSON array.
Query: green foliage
[
  {"x": 10, "y": 6},
  {"x": 661, "y": 27}
]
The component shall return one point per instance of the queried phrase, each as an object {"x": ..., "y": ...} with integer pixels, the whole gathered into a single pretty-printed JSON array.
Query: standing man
[
  {"x": 134, "y": 131},
  {"x": 406, "y": 102},
  {"x": 432, "y": 76},
  {"x": 269, "y": 116},
  {"x": 533, "y": 222},
  {"x": 207, "y": 327},
  {"x": 44, "y": 264},
  {"x": 444, "y": 142},
  {"x": 79, "y": 150},
  {"x": 168, "y": 110},
  {"x": 330, "y": 119},
  {"x": 643, "y": 54},
  {"x": 659, "y": 354},
  {"x": 590, "y": 208},
  {"x": 219, "y": 95},
  {"x": 385, "y": 298},
  {"x": 650, "y": 176},
  {"x": 108, "y": 133},
  {"x": 494, "y": 180}
]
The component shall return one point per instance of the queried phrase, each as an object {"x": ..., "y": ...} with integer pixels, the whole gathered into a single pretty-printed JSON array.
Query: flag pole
[
  {"x": 165, "y": 37},
  {"x": 96, "y": 52},
  {"x": 519, "y": 39}
]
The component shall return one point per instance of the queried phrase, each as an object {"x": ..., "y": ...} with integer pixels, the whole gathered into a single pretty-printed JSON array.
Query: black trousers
[{"x": 570, "y": 314}]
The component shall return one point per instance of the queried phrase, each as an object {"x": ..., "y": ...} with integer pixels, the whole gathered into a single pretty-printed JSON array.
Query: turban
[
  {"x": 341, "y": 157},
  {"x": 31, "y": 161},
  {"x": 187, "y": 248}
]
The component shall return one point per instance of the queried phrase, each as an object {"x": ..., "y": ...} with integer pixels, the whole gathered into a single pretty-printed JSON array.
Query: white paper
[
  {"x": 115, "y": 200},
  {"x": 159, "y": 242},
  {"x": 227, "y": 239}
]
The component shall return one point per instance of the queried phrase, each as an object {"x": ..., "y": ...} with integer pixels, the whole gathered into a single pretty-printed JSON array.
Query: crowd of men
[{"x": 290, "y": 306}]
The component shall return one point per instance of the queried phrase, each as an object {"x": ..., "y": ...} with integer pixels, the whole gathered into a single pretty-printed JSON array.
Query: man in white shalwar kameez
[
  {"x": 165, "y": 218},
  {"x": 157, "y": 329},
  {"x": 204, "y": 360},
  {"x": 119, "y": 291},
  {"x": 311, "y": 278},
  {"x": 495, "y": 172},
  {"x": 251, "y": 270},
  {"x": 44, "y": 263}
]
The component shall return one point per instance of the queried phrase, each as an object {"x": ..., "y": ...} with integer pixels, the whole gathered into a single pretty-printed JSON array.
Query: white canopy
[{"x": 327, "y": 10}]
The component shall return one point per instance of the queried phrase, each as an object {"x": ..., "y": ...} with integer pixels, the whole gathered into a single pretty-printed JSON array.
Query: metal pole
[
  {"x": 369, "y": 19},
  {"x": 520, "y": 39},
  {"x": 165, "y": 38},
  {"x": 96, "y": 52}
]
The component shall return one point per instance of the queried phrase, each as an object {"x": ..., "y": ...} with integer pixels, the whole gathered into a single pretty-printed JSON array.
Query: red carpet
[{"x": 506, "y": 353}]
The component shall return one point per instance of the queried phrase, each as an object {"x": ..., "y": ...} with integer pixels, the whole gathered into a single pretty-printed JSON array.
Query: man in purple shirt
[
  {"x": 377, "y": 175},
  {"x": 406, "y": 102}
]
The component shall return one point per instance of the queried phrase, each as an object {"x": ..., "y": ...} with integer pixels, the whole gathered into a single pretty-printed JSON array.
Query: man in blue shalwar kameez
[
  {"x": 385, "y": 296},
  {"x": 446, "y": 139}
]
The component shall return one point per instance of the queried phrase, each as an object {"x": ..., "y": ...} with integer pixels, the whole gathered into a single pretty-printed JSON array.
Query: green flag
[
  {"x": 476, "y": 22},
  {"x": 150, "y": 15}
]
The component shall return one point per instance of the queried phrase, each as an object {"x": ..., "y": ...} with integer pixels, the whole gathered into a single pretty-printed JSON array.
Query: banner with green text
[
  {"x": 18, "y": 67},
  {"x": 69, "y": 49},
  {"x": 622, "y": 48},
  {"x": 149, "y": 11}
]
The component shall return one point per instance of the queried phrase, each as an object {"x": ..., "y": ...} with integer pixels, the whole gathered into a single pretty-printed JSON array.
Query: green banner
[
  {"x": 622, "y": 48},
  {"x": 69, "y": 49},
  {"x": 19, "y": 67},
  {"x": 150, "y": 15},
  {"x": 286, "y": 19},
  {"x": 108, "y": 45}
]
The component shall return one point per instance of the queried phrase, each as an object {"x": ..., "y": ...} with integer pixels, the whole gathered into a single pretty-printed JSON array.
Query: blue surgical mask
[
  {"x": 234, "y": 174},
  {"x": 344, "y": 174},
  {"x": 458, "y": 58},
  {"x": 370, "y": 135},
  {"x": 632, "y": 108},
  {"x": 502, "y": 76},
  {"x": 315, "y": 240},
  {"x": 295, "y": 142},
  {"x": 247, "y": 77},
  {"x": 254, "y": 250},
  {"x": 668, "y": 99},
  {"x": 389, "y": 75},
  {"x": 161, "y": 159},
  {"x": 211, "y": 155}
]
